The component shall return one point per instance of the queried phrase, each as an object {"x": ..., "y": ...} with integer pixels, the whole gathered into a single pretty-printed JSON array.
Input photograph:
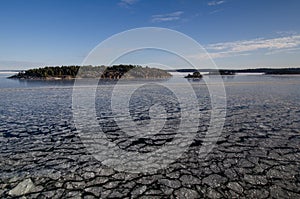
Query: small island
[
  {"x": 195, "y": 75},
  {"x": 104, "y": 72}
]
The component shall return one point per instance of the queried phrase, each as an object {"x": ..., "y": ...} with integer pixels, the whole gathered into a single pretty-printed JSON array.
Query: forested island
[{"x": 105, "y": 72}]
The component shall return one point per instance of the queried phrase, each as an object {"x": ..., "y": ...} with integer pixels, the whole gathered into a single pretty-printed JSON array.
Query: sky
[{"x": 235, "y": 33}]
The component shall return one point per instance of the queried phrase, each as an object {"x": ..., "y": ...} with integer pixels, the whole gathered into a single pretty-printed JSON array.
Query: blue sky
[{"x": 236, "y": 33}]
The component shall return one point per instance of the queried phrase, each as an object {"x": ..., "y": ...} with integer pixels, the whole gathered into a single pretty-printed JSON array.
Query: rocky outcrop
[
  {"x": 195, "y": 75},
  {"x": 22, "y": 188}
]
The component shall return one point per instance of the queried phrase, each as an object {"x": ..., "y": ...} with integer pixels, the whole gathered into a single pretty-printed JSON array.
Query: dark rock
[
  {"x": 214, "y": 180},
  {"x": 185, "y": 193}
]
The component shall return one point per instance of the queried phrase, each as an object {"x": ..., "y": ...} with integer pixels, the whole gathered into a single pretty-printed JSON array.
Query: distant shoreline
[
  {"x": 118, "y": 72},
  {"x": 266, "y": 71}
]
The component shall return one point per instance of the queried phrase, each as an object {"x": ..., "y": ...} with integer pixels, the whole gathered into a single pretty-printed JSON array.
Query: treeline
[
  {"x": 108, "y": 72},
  {"x": 49, "y": 71},
  {"x": 268, "y": 71},
  {"x": 275, "y": 71}
]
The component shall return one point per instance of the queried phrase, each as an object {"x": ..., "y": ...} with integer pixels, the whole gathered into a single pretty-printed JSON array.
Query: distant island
[
  {"x": 267, "y": 71},
  {"x": 105, "y": 72},
  {"x": 222, "y": 72}
]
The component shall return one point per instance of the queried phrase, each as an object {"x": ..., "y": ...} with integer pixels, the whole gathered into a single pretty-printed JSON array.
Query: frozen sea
[{"x": 257, "y": 154}]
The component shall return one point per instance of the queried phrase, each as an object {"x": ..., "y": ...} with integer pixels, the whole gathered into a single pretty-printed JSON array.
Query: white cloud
[
  {"x": 288, "y": 44},
  {"x": 215, "y": 3},
  {"x": 166, "y": 17},
  {"x": 287, "y": 50},
  {"x": 256, "y": 44},
  {"x": 127, "y": 3}
]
